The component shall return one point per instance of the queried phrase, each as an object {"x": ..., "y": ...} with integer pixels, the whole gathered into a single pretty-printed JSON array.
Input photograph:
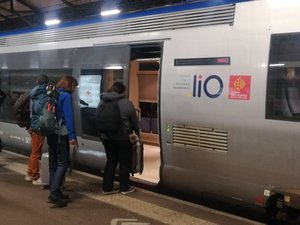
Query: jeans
[
  {"x": 58, "y": 162},
  {"x": 37, "y": 142},
  {"x": 117, "y": 152}
]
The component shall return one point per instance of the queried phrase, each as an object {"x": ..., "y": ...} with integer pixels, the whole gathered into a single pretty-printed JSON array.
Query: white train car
[{"x": 226, "y": 95}]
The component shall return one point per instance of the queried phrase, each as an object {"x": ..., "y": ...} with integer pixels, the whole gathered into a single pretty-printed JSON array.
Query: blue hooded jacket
[
  {"x": 65, "y": 111},
  {"x": 38, "y": 96}
]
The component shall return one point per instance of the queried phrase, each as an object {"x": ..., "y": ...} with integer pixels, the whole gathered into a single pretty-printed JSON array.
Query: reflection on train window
[
  {"x": 89, "y": 95},
  {"x": 283, "y": 85},
  {"x": 89, "y": 92},
  {"x": 16, "y": 82},
  {"x": 92, "y": 83}
]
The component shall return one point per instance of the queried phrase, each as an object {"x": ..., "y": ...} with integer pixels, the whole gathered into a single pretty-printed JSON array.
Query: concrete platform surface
[{"x": 22, "y": 203}]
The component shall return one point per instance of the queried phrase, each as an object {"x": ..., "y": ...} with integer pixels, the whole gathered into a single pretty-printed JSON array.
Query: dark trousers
[
  {"x": 117, "y": 152},
  {"x": 58, "y": 162}
]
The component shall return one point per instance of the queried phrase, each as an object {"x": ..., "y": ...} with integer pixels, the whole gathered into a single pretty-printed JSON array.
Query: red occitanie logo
[{"x": 239, "y": 87}]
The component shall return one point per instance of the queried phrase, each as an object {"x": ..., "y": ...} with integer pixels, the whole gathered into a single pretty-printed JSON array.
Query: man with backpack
[
  {"x": 116, "y": 119},
  {"x": 38, "y": 96}
]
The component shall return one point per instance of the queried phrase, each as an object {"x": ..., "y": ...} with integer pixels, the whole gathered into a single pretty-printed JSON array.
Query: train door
[
  {"x": 143, "y": 92},
  {"x": 97, "y": 68}
]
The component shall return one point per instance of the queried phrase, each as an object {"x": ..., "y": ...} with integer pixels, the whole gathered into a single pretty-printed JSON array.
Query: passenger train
[{"x": 216, "y": 84}]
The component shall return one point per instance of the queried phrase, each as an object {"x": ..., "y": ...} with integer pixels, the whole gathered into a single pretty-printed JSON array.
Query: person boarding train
[{"x": 118, "y": 147}]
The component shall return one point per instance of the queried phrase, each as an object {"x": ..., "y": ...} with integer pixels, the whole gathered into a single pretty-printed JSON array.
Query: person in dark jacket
[
  {"x": 60, "y": 144},
  {"x": 118, "y": 147},
  {"x": 38, "y": 97}
]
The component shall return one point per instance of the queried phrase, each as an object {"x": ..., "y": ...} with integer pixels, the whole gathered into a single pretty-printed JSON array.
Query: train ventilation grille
[
  {"x": 211, "y": 139},
  {"x": 167, "y": 21}
]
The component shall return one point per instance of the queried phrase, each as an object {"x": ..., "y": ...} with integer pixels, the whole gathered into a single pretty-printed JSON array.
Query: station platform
[{"x": 23, "y": 203}]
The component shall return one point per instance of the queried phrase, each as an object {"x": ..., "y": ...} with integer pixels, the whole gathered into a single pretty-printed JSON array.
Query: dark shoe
[
  {"x": 57, "y": 201},
  {"x": 114, "y": 191},
  {"x": 64, "y": 197},
  {"x": 130, "y": 190}
]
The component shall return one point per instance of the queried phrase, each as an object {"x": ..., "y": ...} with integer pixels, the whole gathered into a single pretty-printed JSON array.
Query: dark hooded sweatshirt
[{"x": 128, "y": 115}]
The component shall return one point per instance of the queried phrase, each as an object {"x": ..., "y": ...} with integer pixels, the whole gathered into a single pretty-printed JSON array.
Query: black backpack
[
  {"x": 108, "y": 118},
  {"x": 22, "y": 110}
]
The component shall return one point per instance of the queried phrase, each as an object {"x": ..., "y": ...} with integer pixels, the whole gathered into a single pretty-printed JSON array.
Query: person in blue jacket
[{"x": 59, "y": 145}]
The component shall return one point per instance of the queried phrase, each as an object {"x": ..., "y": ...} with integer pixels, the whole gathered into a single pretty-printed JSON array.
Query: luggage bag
[
  {"x": 45, "y": 175},
  {"x": 137, "y": 157}
]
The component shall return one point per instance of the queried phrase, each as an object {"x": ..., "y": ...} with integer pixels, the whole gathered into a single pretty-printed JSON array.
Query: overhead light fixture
[
  {"x": 113, "y": 67},
  {"x": 276, "y": 65},
  {"x": 52, "y": 22},
  {"x": 110, "y": 12}
]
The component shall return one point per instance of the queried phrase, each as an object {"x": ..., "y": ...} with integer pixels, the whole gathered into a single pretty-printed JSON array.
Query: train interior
[{"x": 143, "y": 92}]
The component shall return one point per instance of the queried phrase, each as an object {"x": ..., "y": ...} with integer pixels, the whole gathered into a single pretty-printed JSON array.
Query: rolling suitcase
[
  {"x": 45, "y": 175},
  {"x": 137, "y": 157}
]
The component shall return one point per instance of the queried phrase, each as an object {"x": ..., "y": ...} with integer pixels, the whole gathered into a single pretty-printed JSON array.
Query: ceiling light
[
  {"x": 52, "y": 22},
  {"x": 110, "y": 12},
  {"x": 113, "y": 67},
  {"x": 276, "y": 64}
]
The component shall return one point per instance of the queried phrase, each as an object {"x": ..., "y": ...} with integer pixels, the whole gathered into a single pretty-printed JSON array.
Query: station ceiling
[{"x": 19, "y": 14}]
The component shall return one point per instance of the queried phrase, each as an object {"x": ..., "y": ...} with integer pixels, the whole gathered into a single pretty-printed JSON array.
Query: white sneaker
[
  {"x": 28, "y": 178},
  {"x": 114, "y": 191},
  {"x": 38, "y": 182},
  {"x": 131, "y": 189}
]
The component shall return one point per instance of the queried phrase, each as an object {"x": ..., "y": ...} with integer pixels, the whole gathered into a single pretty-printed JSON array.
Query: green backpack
[{"x": 47, "y": 122}]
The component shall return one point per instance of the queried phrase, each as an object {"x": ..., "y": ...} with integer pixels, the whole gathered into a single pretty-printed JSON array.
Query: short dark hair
[
  {"x": 118, "y": 87},
  {"x": 42, "y": 79}
]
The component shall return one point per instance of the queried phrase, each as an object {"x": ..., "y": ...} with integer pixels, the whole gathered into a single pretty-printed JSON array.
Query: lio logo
[{"x": 198, "y": 86}]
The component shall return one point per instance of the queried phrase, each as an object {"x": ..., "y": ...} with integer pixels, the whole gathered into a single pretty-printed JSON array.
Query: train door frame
[{"x": 151, "y": 135}]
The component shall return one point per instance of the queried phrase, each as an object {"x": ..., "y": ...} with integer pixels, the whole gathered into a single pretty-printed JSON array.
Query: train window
[
  {"x": 91, "y": 83},
  {"x": 283, "y": 84},
  {"x": 89, "y": 95},
  {"x": 16, "y": 82}
]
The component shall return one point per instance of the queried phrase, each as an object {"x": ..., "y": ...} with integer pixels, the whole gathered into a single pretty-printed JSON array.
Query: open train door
[{"x": 144, "y": 93}]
